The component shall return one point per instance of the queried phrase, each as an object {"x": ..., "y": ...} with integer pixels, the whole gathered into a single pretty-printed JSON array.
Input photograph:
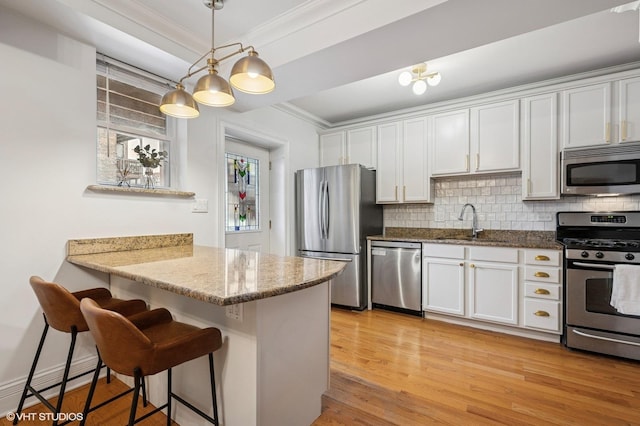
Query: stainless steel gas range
[{"x": 594, "y": 244}]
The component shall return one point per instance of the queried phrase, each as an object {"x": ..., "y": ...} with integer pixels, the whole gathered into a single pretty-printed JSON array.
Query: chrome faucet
[{"x": 474, "y": 230}]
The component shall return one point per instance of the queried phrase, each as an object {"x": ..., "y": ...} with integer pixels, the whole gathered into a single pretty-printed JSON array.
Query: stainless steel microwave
[{"x": 607, "y": 170}]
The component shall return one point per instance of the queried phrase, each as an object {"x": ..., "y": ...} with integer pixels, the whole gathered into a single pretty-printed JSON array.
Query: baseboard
[{"x": 10, "y": 392}]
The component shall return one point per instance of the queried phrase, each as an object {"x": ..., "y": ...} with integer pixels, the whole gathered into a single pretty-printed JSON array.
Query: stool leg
[
  {"x": 92, "y": 388},
  {"x": 213, "y": 389},
  {"x": 67, "y": 368},
  {"x": 137, "y": 378},
  {"x": 169, "y": 397},
  {"x": 27, "y": 386}
]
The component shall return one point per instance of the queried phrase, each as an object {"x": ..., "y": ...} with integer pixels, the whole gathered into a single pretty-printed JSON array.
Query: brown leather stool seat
[
  {"x": 148, "y": 343},
  {"x": 61, "y": 310}
]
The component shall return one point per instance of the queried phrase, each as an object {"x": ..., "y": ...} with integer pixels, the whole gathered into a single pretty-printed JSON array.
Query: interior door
[{"x": 254, "y": 235}]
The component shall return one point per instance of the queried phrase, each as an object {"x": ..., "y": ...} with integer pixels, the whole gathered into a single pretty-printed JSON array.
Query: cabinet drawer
[
  {"x": 450, "y": 251},
  {"x": 542, "y": 257},
  {"x": 494, "y": 254},
  {"x": 542, "y": 291},
  {"x": 538, "y": 273},
  {"x": 542, "y": 314}
]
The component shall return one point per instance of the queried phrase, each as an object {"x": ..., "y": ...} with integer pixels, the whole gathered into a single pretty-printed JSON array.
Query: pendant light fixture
[
  {"x": 250, "y": 74},
  {"x": 418, "y": 75}
]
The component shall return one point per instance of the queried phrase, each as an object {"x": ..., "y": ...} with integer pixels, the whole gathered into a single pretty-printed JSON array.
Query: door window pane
[{"x": 242, "y": 193}]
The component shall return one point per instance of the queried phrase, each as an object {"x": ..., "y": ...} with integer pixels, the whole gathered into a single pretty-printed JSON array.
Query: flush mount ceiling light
[
  {"x": 418, "y": 75},
  {"x": 250, "y": 75}
]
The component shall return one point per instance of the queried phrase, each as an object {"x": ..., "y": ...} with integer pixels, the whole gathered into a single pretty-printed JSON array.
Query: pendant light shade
[
  {"x": 252, "y": 75},
  {"x": 213, "y": 90},
  {"x": 179, "y": 103}
]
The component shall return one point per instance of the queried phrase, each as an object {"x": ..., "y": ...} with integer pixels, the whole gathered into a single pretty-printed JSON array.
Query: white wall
[{"x": 47, "y": 137}]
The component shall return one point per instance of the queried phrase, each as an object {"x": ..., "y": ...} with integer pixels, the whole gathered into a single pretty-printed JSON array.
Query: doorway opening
[{"x": 254, "y": 215}]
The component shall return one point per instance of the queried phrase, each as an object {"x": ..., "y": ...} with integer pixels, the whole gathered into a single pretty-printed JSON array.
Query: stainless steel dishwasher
[{"x": 396, "y": 275}]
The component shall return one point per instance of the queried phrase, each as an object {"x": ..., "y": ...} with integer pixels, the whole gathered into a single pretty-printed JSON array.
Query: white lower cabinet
[
  {"x": 511, "y": 286},
  {"x": 443, "y": 279},
  {"x": 493, "y": 284},
  {"x": 543, "y": 290}
]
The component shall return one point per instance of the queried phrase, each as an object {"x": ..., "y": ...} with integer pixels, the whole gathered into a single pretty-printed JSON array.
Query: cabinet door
[
  {"x": 443, "y": 285},
  {"x": 416, "y": 180},
  {"x": 450, "y": 143},
  {"x": 493, "y": 292},
  {"x": 629, "y": 110},
  {"x": 586, "y": 115},
  {"x": 495, "y": 137},
  {"x": 361, "y": 147},
  {"x": 387, "y": 175},
  {"x": 332, "y": 149},
  {"x": 540, "y": 165}
]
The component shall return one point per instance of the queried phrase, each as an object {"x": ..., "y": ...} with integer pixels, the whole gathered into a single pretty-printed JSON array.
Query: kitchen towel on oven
[{"x": 625, "y": 292}]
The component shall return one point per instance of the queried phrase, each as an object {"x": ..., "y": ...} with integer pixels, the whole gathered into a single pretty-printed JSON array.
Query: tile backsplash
[{"x": 498, "y": 202}]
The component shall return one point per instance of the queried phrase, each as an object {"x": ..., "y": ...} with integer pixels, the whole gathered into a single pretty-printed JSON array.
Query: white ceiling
[{"x": 339, "y": 60}]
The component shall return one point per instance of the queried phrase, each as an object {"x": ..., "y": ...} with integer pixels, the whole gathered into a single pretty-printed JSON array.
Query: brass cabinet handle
[
  {"x": 542, "y": 257},
  {"x": 477, "y": 162},
  {"x": 607, "y": 136},
  {"x": 624, "y": 130},
  {"x": 541, "y": 275},
  {"x": 404, "y": 193},
  {"x": 541, "y": 291},
  {"x": 461, "y": 264},
  {"x": 541, "y": 313},
  {"x": 396, "y": 196},
  {"x": 466, "y": 164},
  {"x": 472, "y": 265}
]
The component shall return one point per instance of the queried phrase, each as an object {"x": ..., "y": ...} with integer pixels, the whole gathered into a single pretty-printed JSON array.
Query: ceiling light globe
[
  {"x": 419, "y": 87},
  {"x": 252, "y": 75},
  {"x": 434, "y": 79},
  {"x": 405, "y": 78},
  {"x": 213, "y": 90},
  {"x": 178, "y": 103}
]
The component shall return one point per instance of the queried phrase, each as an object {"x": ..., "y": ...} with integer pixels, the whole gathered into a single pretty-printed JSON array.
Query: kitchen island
[{"x": 273, "y": 312}]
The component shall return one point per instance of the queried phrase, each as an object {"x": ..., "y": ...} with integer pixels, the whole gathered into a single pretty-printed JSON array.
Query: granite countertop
[
  {"x": 493, "y": 238},
  {"x": 214, "y": 275}
]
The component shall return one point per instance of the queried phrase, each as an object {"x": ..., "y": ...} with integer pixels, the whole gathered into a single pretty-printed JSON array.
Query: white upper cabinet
[
  {"x": 586, "y": 115},
  {"x": 361, "y": 146},
  {"x": 484, "y": 138},
  {"x": 332, "y": 149},
  {"x": 495, "y": 137},
  {"x": 357, "y": 146},
  {"x": 388, "y": 173},
  {"x": 403, "y": 175},
  {"x": 450, "y": 142},
  {"x": 416, "y": 179},
  {"x": 629, "y": 110},
  {"x": 540, "y": 147}
]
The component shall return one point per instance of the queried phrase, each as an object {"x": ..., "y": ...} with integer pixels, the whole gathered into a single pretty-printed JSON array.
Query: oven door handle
[
  {"x": 595, "y": 265},
  {"x": 608, "y": 339}
]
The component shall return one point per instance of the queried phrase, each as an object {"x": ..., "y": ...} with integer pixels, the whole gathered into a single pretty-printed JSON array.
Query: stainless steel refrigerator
[{"x": 335, "y": 211}]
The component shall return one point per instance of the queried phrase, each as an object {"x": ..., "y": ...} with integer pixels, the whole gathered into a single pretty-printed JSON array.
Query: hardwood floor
[
  {"x": 116, "y": 413},
  {"x": 395, "y": 369},
  {"x": 389, "y": 368}
]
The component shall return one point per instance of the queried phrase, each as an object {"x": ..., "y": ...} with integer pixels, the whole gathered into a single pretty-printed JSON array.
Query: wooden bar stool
[
  {"x": 148, "y": 343},
  {"x": 61, "y": 310}
]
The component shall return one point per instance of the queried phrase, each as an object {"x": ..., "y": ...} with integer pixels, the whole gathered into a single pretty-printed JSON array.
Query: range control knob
[
  {"x": 629, "y": 256},
  {"x": 599, "y": 255},
  {"x": 584, "y": 254}
]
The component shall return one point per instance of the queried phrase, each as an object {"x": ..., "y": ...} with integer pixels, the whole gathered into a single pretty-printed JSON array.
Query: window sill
[{"x": 142, "y": 191}]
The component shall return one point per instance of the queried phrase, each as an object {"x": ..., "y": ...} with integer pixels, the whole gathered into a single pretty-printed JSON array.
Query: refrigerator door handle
[
  {"x": 327, "y": 210},
  {"x": 321, "y": 209},
  {"x": 337, "y": 259}
]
